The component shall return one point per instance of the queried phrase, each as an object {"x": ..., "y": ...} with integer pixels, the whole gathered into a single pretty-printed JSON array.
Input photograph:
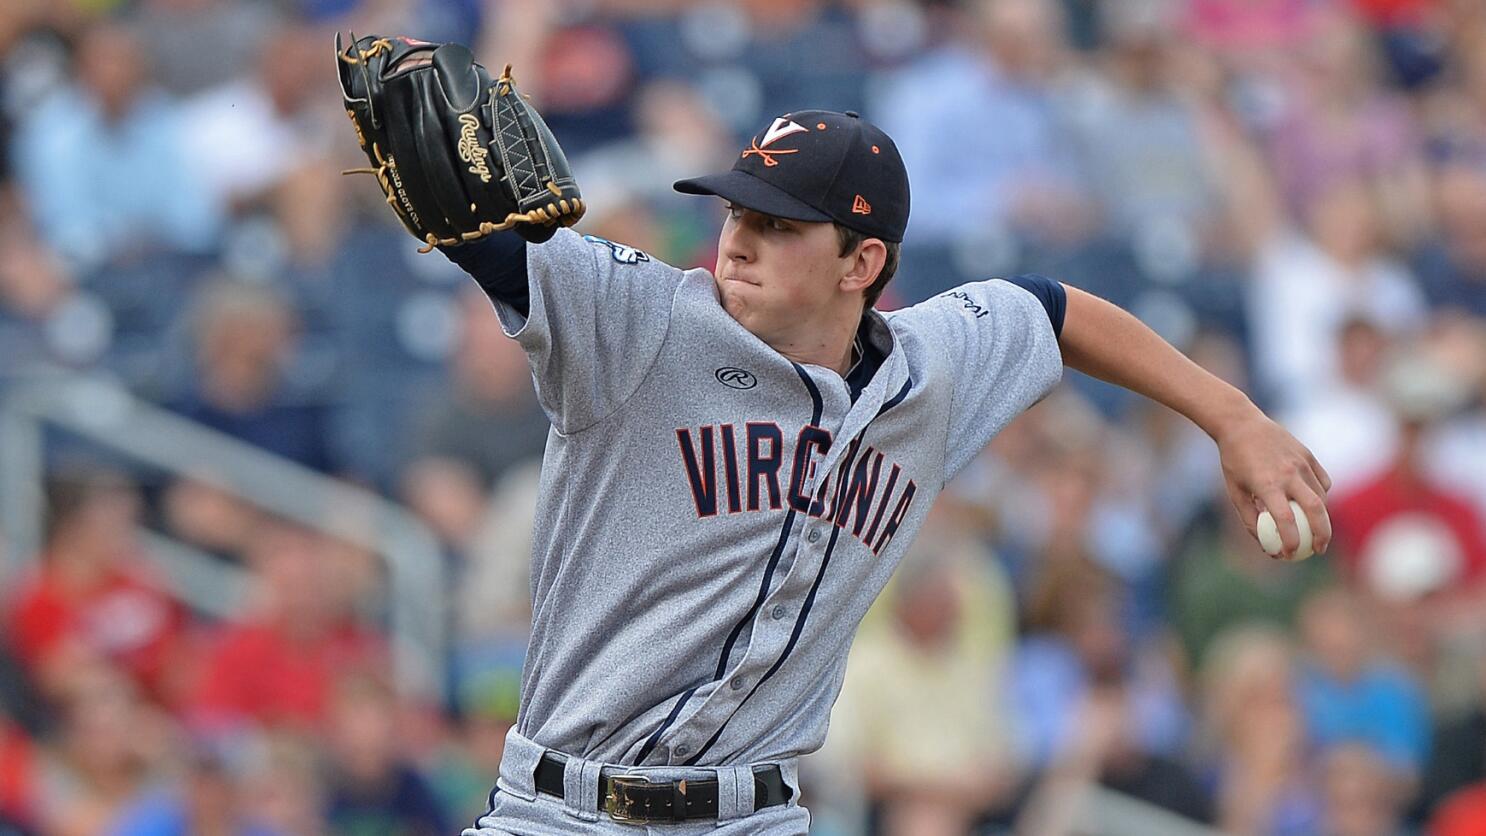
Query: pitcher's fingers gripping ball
[
  {"x": 459, "y": 154},
  {"x": 1269, "y": 534}
]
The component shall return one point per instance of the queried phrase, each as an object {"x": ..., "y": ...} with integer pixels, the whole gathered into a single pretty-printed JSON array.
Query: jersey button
[
  {"x": 737, "y": 683},
  {"x": 813, "y": 536},
  {"x": 683, "y": 750},
  {"x": 778, "y": 612}
]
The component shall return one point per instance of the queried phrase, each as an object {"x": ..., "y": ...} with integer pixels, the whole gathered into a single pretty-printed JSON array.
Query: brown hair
[{"x": 850, "y": 239}]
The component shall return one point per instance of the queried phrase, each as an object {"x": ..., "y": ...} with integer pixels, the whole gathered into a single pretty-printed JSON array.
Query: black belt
[{"x": 631, "y": 798}]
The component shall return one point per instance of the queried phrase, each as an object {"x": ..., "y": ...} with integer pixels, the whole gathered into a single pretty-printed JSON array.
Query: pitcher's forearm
[{"x": 1104, "y": 341}]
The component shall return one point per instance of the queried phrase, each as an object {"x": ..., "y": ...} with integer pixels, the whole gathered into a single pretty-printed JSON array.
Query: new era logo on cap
[{"x": 818, "y": 165}]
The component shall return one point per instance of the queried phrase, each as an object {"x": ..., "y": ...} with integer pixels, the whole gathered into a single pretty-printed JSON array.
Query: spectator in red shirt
[
  {"x": 278, "y": 665},
  {"x": 1421, "y": 391},
  {"x": 91, "y": 597}
]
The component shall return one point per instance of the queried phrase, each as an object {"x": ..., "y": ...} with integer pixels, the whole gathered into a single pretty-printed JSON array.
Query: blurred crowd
[{"x": 1291, "y": 191}]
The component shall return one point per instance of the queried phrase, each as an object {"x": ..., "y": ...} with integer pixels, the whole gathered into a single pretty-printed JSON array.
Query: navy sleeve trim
[
  {"x": 1051, "y": 294},
  {"x": 497, "y": 263}
]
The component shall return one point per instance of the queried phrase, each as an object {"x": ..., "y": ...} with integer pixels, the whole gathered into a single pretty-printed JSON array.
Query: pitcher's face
[{"x": 772, "y": 272}]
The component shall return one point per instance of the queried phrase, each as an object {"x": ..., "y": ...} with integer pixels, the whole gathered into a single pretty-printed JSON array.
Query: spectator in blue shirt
[
  {"x": 980, "y": 125},
  {"x": 1349, "y": 694},
  {"x": 1076, "y": 641},
  {"x": 101, "y": 164}
]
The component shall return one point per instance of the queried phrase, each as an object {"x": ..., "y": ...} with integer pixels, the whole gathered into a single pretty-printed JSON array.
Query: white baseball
[{"x": 1269, "y": 533}]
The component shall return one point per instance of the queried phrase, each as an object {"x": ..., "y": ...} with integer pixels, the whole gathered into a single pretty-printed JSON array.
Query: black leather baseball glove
[{"x": 458, "y": 154}]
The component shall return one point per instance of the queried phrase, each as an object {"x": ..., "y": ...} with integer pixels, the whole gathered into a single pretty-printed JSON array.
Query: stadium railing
[{"x": 107, "y": 415}]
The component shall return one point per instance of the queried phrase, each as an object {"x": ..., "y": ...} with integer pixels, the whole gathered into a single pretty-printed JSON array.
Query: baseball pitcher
[{"x": 739, "y": 457}]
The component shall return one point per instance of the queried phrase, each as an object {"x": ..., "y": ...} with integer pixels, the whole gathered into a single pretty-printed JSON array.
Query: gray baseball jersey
[{"x": 714, "y": 518}]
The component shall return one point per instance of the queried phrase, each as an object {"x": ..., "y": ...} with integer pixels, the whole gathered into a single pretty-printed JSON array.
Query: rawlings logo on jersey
[
  {"x": 622, "y": 253},
  {"x": 736, "y": 378},
  {"x": 864, "y": 499}
]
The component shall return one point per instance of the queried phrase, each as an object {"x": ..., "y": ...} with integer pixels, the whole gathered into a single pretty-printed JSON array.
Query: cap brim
[{"x": 748, "y": 191}]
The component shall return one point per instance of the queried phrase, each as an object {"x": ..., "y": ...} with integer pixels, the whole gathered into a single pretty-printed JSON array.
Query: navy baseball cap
[{"x": 818, "y": 165}]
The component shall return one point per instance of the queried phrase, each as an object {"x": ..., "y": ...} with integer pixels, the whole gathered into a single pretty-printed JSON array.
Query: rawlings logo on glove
[
  {"x": 459, "y": 155},
  {"x": 470, "y": 149}
]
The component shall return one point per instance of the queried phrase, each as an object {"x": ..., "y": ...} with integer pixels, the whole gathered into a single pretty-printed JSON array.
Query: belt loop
[
  {"x": 789, "y": 771},
  {"x": 734, "y": 792},
  {"x": 580, "y": 788},
  {"x": 518, "y": 766}
]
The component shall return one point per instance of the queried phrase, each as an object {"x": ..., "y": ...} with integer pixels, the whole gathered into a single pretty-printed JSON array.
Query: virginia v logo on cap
[
  {"x": 846, "y": 170},
  {"x": 782, "y": 127}
]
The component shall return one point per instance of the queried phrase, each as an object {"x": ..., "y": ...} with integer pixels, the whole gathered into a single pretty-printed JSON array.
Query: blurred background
[{"x": 266, "y": 473}]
